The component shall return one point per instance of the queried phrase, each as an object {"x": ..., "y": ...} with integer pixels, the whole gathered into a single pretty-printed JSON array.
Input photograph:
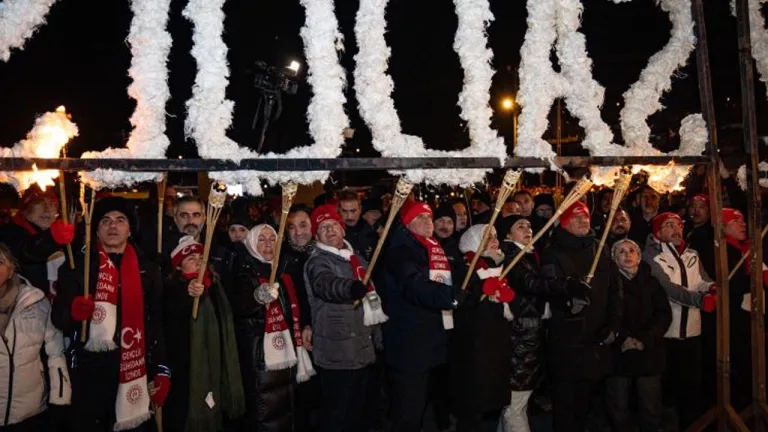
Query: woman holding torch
[{"x": 268, "y": 333}]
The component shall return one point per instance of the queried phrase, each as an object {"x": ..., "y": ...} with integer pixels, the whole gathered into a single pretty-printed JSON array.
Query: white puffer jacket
[
  {"x": 685, "y": 281},
  {"x": 22, "y": 380}
]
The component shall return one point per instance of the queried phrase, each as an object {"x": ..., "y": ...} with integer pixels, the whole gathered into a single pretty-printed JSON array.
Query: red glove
[
  {"x": 713, "y": 289},
  {"x": 492, "y": 286},
  {"x": 507, "y": 294},
  {"x": 160, "y": 390},
  {"x": 62, "y": 233},
  {"x": 82, "y": 308},
  {"x": 709, "y": 303}
]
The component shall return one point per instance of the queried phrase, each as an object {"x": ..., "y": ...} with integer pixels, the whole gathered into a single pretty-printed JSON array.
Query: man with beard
[
  {"x": 641, "y": 220},
  {"x": 189, "y": 220},
  {"x": 462, "y": 217},
  {"x": 619, "y": 228},
  {"x": 361, "y": 236},
  {"x": 525, "y": 200},
  {"x": 689, "y": 290},
  {"x": 37, "y": 238},
  {"x": 445, "y": 221},
  {"x": 481, "y": 208},
  {"x": 581, "y": 332}
]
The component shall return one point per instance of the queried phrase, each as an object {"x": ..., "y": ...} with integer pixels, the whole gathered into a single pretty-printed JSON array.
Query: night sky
[{"x": 80, "y": 59}]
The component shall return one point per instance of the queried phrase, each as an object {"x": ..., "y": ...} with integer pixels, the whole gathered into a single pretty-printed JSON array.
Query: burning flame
[
  {"x": 51, "y": 132},
  {"x": 663, "y": 179}
]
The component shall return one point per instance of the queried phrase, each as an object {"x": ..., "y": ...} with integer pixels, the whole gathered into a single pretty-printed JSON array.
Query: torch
[
  {"x": 65, "y": 216},
  {"x": 582, "y": 187},
  {"x": 621, "y": 186},
  {"x": 744, "y": 257},
  {"x": 402, "y": 190},
  {"x": 508, "y": 184},
  {"x": 160, "y": 202},
  {"x": 87, "y": 215},
  {"x": 216, "y": 200},
  {"x": 289, "y": 192}
]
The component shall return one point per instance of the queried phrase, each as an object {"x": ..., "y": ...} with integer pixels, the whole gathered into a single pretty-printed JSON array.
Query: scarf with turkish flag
[
  {"x": 132, "y": 403},
  {"x": 439, "y": 270}
]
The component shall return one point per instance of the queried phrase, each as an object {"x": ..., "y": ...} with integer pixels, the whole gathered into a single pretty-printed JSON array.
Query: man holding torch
[
  {"x": 125, "y": 349},
  {"x": 581, "y": 332}
]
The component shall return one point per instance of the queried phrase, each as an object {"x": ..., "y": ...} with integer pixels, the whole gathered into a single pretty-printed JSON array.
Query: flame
[
  {"x": 664, "y": 179},
  {"x": 51, "y": 132},
  {"x": 605, "y": 176}
]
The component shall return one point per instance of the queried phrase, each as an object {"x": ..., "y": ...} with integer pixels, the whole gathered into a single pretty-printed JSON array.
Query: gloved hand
[
  {"x": 577, "y": 288},
  {"x": 492, "y": 287},
  {"x": 162, "y": 386},
  {"x": 82, "y": 308},
  {"x": 708, "y": 303},
  {"x": 713, "y": 289},
  {"x": 266, "y": 294},
  {"x": 357, "y": 290},
  {"x": 62, "y": 233}
]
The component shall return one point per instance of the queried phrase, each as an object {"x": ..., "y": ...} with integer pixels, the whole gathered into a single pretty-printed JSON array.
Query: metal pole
[
  {"x": 746, "y": 69},
  {"x": 723, "y": 412}
]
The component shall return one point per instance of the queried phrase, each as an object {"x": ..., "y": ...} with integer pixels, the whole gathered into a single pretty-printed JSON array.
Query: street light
[{"x": 509, "y": 104}]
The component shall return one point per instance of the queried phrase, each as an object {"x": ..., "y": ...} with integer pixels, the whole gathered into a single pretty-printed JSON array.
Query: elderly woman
[
  {"x": 268, "y": 333},
  {"x": 480, "y": 349},
  {"x": 640, "y": 345},
  {"x": 26, "y": 329}
]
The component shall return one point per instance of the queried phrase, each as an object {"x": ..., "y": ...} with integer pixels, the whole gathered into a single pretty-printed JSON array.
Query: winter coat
[
  {"x": 414, "y": 336},
  {"x": 268, "y": 394},
  {"x": 647, "y": 315},
  {"x": 22, "y": 381},
  {"x": 526, "y": 331},
  {"x": 363, "y": 238},
  {"x": 450, "y": 246},
  {"x": 685, "y": 281},
  {"x": 33, "y": 251},
  {"x": 71, "y": 285},
  {"x": 575, "y": 345},
  {"x": 340, "y": 340},
  {"x": 640, "y": 228},
  {"x": 479, "y": 352},
  {"x": 702, "y": 240},
  {"x": 295, "y": 261}
]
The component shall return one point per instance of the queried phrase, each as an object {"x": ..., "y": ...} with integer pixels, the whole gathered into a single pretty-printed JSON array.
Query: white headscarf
[{"x": 252, "y": 240}]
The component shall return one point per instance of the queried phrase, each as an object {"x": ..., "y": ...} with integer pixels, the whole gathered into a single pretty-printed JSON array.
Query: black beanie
[
  {"x": 445, "y": 209},
  {"x": 543, "y": 199},
  {"x": 110, "y": 204},
  {"x": 505, "y": 224},
  {"x": 372, "y": 204},
  {"x": 241, "y": 219}
]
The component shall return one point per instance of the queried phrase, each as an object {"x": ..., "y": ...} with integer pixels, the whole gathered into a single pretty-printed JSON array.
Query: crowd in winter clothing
[{"x": 298, "y": 336}]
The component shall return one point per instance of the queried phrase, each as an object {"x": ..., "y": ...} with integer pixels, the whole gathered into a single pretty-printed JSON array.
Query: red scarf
[
  {"x": 359, "y": 271},
  {"x": 132, "y": 405},
  {"x": 744, "y": 248},
  {"x": 206, "y": 278},
  {"x": 372, "y": 312},
  {"x": 280, "y": 350},
  {"x": 439, "y": 270},
  {"x": 21, "y": 221}
]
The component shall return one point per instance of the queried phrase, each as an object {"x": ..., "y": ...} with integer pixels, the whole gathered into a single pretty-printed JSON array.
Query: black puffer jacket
[
  {"x": 269, "y": 395},
  {"x": 479, "y": 351},
  {"x": 575, "y": 345},
  {"x": 526, "y": 331},
  {"x": 647, "y": 316},
  {"x": 362, "y": 238}
]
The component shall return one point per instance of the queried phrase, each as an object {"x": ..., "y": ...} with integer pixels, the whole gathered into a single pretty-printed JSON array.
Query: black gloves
[{"x": 358, "y": 290}]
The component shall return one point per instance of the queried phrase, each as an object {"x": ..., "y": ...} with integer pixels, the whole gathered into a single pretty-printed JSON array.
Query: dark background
[{"x": 80, "y": 59}]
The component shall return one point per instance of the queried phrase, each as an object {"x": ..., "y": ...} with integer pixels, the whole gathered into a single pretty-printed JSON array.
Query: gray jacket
[{"x": 340, "y": 339}]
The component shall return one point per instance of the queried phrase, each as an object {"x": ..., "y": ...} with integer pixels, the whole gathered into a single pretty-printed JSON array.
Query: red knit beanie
[
  {"x": 700, "y": 197},
  {"x": 412, "y": 209},
  {"x": 187, "y": 247},
  {"x": 576, "y": 208},
  {"x": 659, "y": 220},
  {"x": 323, "y": 213},
  {"x": 729, "y": 215}
]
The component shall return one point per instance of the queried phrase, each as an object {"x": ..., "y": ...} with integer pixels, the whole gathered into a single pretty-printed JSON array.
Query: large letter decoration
[
  {"x": 556, "y": 23},
  {"x": 209, "y": 114},
  {"x": 150, "y": 45},
  {"x": 373, "y": 87}
]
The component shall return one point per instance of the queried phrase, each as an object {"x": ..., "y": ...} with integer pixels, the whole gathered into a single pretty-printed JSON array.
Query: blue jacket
[{"x": 414, "y": 337}]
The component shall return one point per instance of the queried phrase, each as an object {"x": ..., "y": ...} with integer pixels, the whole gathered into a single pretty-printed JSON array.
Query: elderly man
[
  {"x": 690, "y": 290},
  {"x": 420, "y": 295},
  {"x": 124, "y": 348},
  {"x": 581, "y": 332},
  {"x": 343, "y": 334},
  {"x": 36, "y": 237}
]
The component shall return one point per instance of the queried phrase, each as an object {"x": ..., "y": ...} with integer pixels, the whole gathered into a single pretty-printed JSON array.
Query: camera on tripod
[{"x": 272, "y": 79}]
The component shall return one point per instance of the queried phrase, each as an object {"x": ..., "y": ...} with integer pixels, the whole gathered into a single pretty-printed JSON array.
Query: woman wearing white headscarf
[{"x": 268, "y": 332}]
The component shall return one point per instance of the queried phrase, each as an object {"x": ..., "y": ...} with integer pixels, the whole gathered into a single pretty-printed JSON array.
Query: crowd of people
[{"x": 295, "y": 337}]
